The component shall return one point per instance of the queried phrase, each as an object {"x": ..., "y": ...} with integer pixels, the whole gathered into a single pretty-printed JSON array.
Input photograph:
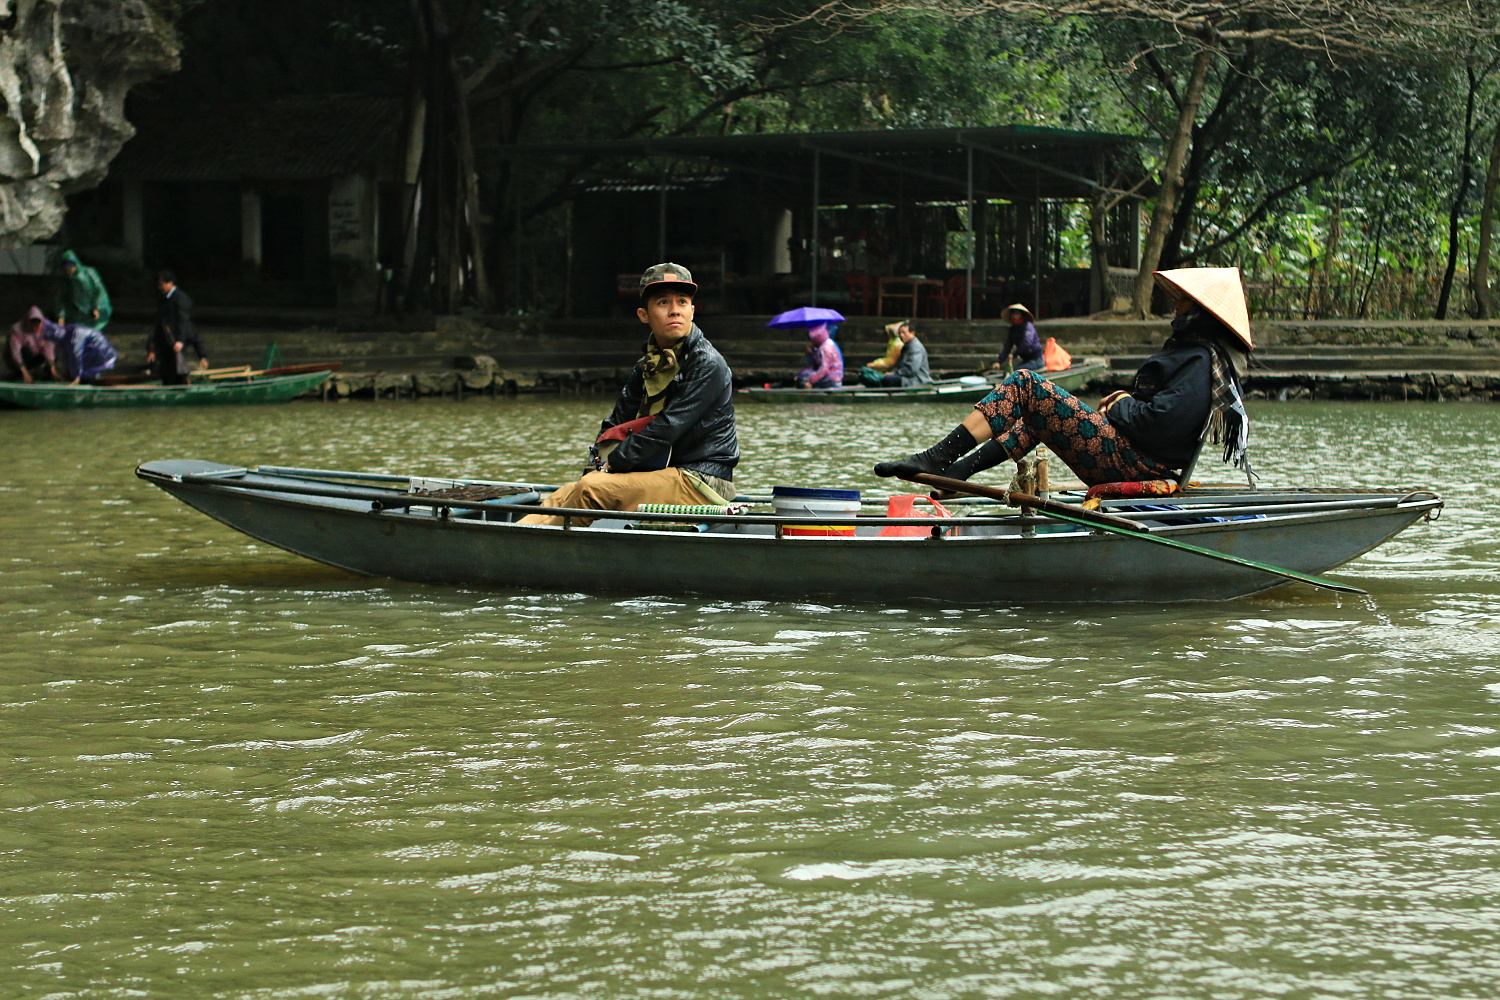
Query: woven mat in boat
[{"x": 477, "y": 491}]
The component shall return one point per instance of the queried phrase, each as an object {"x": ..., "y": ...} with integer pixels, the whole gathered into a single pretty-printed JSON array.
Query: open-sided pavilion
[{"x": 951, "y": 223}]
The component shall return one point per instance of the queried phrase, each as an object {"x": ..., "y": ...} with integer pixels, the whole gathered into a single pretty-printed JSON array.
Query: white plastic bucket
[{"x": 801, "y": 502}]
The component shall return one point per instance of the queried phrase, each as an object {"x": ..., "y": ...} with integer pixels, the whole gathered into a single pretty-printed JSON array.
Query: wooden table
[{"x": 913, "y": 289}]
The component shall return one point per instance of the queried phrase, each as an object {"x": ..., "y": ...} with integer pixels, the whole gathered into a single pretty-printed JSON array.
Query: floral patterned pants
[{"x": 1026, "y": 410}]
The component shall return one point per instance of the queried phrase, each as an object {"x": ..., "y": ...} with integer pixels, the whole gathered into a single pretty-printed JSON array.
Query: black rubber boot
[
  {"x": 989, "y": 455},
  {"x": 935, "y": 459}
]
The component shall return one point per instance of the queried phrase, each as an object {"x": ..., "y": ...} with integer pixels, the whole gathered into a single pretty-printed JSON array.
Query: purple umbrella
[{"x": 806, "y": 316}]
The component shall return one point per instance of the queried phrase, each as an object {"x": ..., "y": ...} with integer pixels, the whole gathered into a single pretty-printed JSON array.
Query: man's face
[
  {"x": 669, "y": 313},
  {"x": 70, "y": 269},
  {"x": 906, "y": 333},
  {"x": 165, "y": 286}
]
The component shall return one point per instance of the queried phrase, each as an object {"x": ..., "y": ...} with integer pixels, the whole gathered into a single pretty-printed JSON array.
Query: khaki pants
[{"x": 618, "y": 491}]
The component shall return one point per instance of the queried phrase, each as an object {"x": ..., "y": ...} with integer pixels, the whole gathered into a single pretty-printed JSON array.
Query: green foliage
[{"x": 1305, "y": 171}]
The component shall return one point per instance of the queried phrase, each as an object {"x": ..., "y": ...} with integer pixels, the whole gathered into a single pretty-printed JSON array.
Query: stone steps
[{"x": 558, "y": 353}]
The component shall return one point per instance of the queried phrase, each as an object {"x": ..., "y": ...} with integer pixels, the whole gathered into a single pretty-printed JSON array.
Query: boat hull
[
  {"x": 1073, "y": 379},
  {"x": 54, "y": 396},
  {"x": 1066, "y": 566}
]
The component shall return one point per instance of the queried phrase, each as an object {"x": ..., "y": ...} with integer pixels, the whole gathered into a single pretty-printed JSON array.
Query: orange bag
[
  {"x": 905, "y": 506},
  {"x": 1054, "y": 358}
]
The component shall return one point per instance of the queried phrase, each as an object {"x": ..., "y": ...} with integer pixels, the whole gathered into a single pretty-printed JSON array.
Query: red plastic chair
[
  {"x": 861, "y": 290},
  {"x": 952, "y": 299}
]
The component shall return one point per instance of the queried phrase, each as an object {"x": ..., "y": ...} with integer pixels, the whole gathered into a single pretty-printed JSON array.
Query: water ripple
[{"x": 229, "y": 772}]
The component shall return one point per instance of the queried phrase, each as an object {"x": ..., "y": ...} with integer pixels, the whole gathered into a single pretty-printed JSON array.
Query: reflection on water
[{"x": 230, "y": 772}]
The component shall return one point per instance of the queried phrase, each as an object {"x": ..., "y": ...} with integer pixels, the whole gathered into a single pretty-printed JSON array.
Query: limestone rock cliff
[{"x": 65, "y": 68}]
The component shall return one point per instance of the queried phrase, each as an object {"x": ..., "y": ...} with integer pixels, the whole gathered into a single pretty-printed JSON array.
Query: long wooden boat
[
  {"x": 964, "y": 389},
  {"x": 224, "y": 392},
  {"x": 391, "y": 526}
]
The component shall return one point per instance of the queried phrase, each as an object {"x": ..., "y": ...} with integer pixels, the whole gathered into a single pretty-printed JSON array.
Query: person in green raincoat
[{"x": 82, "y": 298}]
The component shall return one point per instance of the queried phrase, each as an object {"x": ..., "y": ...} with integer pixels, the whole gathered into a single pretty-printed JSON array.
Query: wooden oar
[{"x": 1119, "y": 526}]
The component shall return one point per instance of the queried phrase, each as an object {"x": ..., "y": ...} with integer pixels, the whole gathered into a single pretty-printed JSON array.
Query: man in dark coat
[
  {"x": 671, "y": 436},
  {"x": 174, "y": 331},
  {"x": 911, "y": 367}
]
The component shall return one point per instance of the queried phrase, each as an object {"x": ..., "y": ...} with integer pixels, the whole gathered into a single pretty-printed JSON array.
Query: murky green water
[{"x": 228, "y": 772}]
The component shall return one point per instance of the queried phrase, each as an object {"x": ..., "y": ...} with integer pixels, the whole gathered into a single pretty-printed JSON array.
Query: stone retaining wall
[
  {"x": 487, "y": 378},
  {"x": 1405, "y": 386}
]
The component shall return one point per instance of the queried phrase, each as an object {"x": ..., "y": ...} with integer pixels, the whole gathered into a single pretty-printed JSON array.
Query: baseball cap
[{"x": 667, "y": 274}]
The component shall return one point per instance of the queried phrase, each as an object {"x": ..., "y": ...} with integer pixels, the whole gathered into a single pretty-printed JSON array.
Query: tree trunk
[
  {"x": 1322, "y": 306},
  {"x": 1482, "y": 293},
  {"x": 1171, "y": 181},
  {"x": 1465, "y": 176},
  {"x": 1101, "y": 295},
  {"x": 448, "y": 257},
  {"x": 1375, "y": 248},
  {"x": 470, "y": 176}
]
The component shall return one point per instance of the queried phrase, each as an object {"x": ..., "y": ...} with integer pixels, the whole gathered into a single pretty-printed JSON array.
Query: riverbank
[
  {"x": 1417, "y": 359},
  {"x": 1432, "y": 386}
]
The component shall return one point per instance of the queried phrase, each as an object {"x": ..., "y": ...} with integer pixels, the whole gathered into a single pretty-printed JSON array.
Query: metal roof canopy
[
  {"x": 1029, "y": 161},
  {"x": 1016, "y": 163}
]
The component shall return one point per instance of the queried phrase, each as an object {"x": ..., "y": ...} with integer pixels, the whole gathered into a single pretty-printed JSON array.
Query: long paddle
[{"x": 1118, "y": 526}]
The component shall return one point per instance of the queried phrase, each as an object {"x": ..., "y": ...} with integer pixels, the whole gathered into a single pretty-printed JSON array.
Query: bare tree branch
[{"x": 1330, "y": 26}]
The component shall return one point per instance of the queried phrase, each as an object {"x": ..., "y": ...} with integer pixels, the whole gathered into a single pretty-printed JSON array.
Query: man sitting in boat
[
  {"x": 1145, "y": 434},
  {"x": 671, "y": 437},
  {"x": 911, "y": 366},
  {"x": 28, "y": 354}
]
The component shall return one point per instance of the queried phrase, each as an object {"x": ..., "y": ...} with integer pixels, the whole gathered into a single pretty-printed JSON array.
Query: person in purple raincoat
[
  {"x": 81, "y": 353},
  {"x": 29, "y": 354},
  {"x": 825, "y": 362}
]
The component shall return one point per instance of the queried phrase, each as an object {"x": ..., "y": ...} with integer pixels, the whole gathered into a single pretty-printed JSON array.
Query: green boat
[
  {"x": 966, "y": 389},
  {"x": 223, "y": 392}
]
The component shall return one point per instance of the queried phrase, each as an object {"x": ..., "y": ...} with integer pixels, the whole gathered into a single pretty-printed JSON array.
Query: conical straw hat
[{"x": 1217, "y": 289}]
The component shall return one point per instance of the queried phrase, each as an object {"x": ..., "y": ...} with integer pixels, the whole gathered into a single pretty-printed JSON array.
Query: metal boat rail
[{"x": 394, "y": 500}]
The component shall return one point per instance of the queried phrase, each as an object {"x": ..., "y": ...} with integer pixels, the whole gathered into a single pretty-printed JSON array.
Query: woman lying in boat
[{"x": 1147, "y": 433}]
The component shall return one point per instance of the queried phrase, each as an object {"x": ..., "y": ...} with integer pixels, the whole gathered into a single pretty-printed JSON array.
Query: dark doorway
[
  {"x": 294, "y": 237},
  {"x": 193, "y": 229}
]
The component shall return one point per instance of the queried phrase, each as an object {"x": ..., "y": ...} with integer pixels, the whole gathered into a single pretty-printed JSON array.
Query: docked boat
[
  {"x": 238, "y": 390},
  {"x": 1214, "y": 543},
  {"x": 964, "y": 389}
]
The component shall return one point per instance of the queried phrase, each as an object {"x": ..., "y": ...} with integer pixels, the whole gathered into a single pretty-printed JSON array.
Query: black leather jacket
[
  {"x": 1167, "y": 409},
  {"x": 697, "y": 420}
]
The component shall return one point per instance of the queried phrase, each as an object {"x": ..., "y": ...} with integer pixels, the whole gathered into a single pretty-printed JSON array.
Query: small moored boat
[
  {"x": 464, "y": 532},
  {"x": 233, "y": 391},
  {"x": 964, "y": 389}
]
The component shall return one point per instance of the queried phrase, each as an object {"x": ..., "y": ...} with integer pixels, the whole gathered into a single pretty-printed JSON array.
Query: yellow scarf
[{"x": 658, "y": 369}]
